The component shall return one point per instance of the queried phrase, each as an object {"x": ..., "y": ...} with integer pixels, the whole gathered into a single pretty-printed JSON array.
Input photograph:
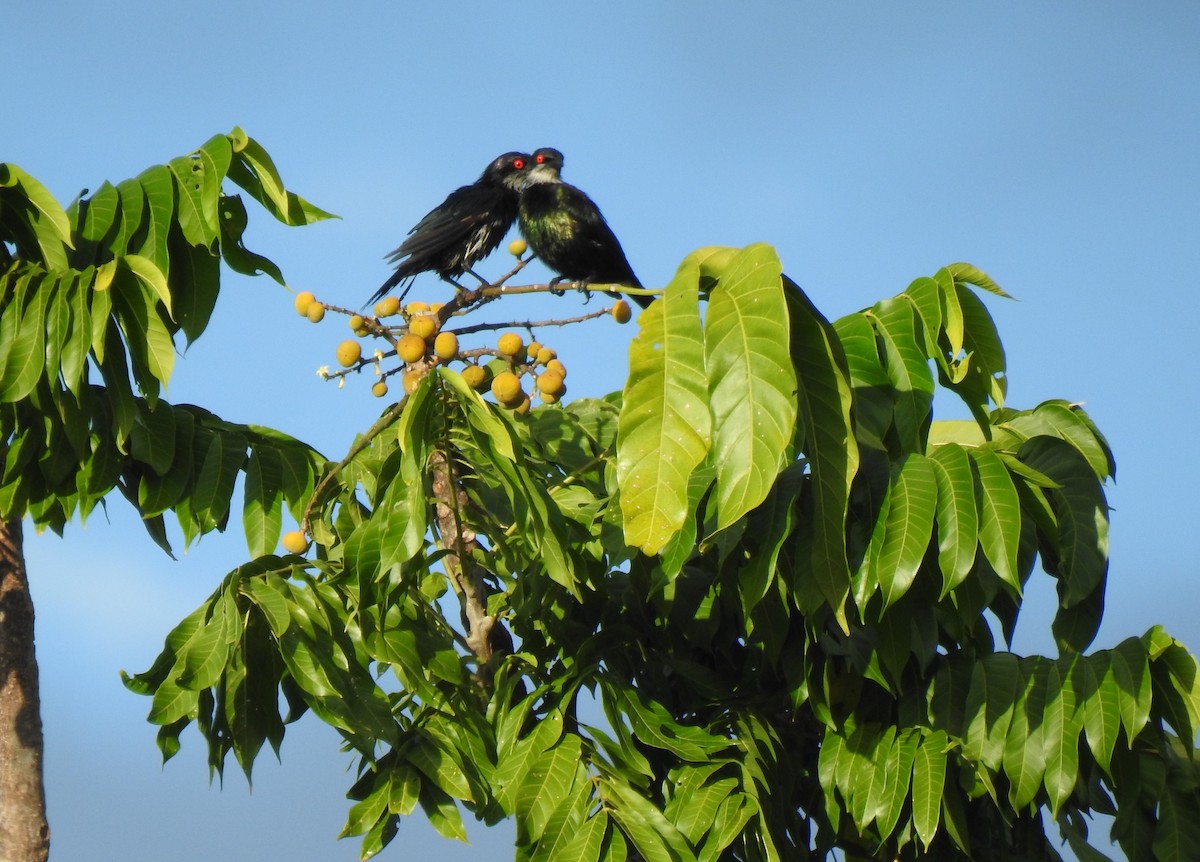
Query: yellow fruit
[
  {"x": 303, "y": 300},
  {"x": 521, "y": 406},
  {"x": 517, "y": 247},
  {"x": 415, "y": 308},
  {"x": 476, "y": 377},
  {"x": 507, "y": 388},
  {"x": 315, "y": 312},
  {"x": 435, "y": 307},
  {"x": 423, "y": 325},
  {"x": 379, "y": 389},
  {"x": 533, "y": 349},
  {"x": 411, "y": 348},
  {"x": 357, "y": 322},
  {"x": 509, "y": 344},
  {"x": 412, "y": 379},
  {"x": 547, "y": 398},
  {"x": 387, "y": 306},
  {"x": 549, "y": 383},
  {"x": 445, "y": 346},
  {"x": 557, "y": 367},
  {"x": 348, "y": 353},
  {"x": 294, "y": 542},
  {"x": 545, "y": 355},
  {"x": 621, "y": 311}
]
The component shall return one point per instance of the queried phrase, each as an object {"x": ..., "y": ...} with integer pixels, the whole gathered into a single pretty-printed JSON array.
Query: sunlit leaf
[
  {"x": 752, "y": 384},
  {"x": 665, "y": 423}
]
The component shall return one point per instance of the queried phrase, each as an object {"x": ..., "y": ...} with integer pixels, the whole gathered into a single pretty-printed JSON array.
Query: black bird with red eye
[
  {"x": 464, "y": 228},
  {"x": 566, "y": 230}
]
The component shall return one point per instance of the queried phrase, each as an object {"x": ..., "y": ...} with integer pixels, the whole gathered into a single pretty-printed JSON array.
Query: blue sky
[{"x": 1056, "y": 146}]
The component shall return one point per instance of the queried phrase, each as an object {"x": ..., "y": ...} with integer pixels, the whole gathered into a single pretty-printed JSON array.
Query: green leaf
[
  {"x": 655, "y": 837},
  {"x": 957, "y": 517},
  {"x": 262, "y": 511},
  {"x": 220, "y": 462},
  {"x": 752, "y": 383},
  {"x": 1132, "y": 673},
  {"x": 731, "y": 818},
  {"x": 1098, "y": 691},
  {"x": 233, "y": 219},
  {"x": 1063, "y": 725},
  {"x": 999, "y": 507},
  {"x": 964, "y": 272},
  {"x": 152, "y": 439},
  {"x": 73, "y": 360},
  {"x": 910, "y": 516},
  {"x": 25, "y": 356},
  {"x": 134, "y": 212},
  {"x": 543, "y": 526},
  {"x": 253, "y": 169},
  {"x": 442, "y": 813},
  {"x": 825, "y": 399},
  {"x": 1024, "y": 758},
  {"x": 548, "y": 783},
  {"x": 907, "y": 367},
  {"x": 99, "y": 215},
  {"x": 928, "y": 781},
  {"x": 664, "y": 429},
  {"x": 588, "y": 840},
  {"x": 151, "y": 275},
  {"x": 1178, "y": 833},
  {"x": 1082, "y": 514},
  {"x": 159, "y": 189},
  {"x": 40, "y": 211},
  {"x": 985, "y": 378},
  {"x": 198, "y": 226}
]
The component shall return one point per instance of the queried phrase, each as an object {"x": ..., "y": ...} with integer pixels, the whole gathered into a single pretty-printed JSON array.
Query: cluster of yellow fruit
[
  {"x": 422, "y": 340},
  {"x": 522, "y": 359},
  {"x": 308, "y": 306}
]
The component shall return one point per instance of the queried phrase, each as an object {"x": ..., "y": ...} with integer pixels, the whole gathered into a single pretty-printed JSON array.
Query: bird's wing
[
  {"x": 450, "y": 223},
  {"x": 594, "y": 232}
]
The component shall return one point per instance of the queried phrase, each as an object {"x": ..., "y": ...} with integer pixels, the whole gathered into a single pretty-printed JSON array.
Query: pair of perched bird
[{"x": 562, "y": 225}]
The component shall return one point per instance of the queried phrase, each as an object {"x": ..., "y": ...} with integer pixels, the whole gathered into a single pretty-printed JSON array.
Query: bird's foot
[{"x": 554, "y": 285}]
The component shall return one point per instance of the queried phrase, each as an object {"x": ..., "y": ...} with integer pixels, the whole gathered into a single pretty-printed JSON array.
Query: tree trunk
[{"x": 24, "y": 835}]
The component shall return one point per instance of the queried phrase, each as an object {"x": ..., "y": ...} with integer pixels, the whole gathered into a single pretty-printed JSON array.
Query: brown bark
[
  {"x": 486, "y": 635},
  {"x": 24, "y": 835}
]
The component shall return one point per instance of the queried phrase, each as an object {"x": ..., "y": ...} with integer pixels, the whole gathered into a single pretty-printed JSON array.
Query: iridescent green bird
[{"x": 566, "y": 230}]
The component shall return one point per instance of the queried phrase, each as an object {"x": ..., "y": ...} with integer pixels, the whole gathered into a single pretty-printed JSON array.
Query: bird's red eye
[
  {"x": 541, "y": 159},
  {"x": 518, "y": 163}
]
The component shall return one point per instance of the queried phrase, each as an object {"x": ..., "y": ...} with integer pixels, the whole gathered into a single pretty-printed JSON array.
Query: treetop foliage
[
  {"x": 93, "y": 300},
  {"x": 757, "y": 606}
]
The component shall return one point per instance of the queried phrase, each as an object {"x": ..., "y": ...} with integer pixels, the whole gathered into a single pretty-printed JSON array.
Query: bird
[
  {"x": 565, "y": 229},
  {"x": 464, "y": 228}
]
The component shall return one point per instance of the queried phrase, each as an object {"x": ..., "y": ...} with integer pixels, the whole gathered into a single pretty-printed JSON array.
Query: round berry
[
  {"x": 549, "y": 383},
  {"x": 509, "y": 344},
  {"x": 348, "y": 353},
  {"x": 423, "y": 325},
  {"x": 387, "y": 306},
  {"x": 476, "y": 376},
  {"x": 507, "y": 388},
  {"x": 303, "y": 300},
  {"x": 294, "y": 542},
  {"x": 411, "y": 348},
  {"x": 445, "y": 346}
]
